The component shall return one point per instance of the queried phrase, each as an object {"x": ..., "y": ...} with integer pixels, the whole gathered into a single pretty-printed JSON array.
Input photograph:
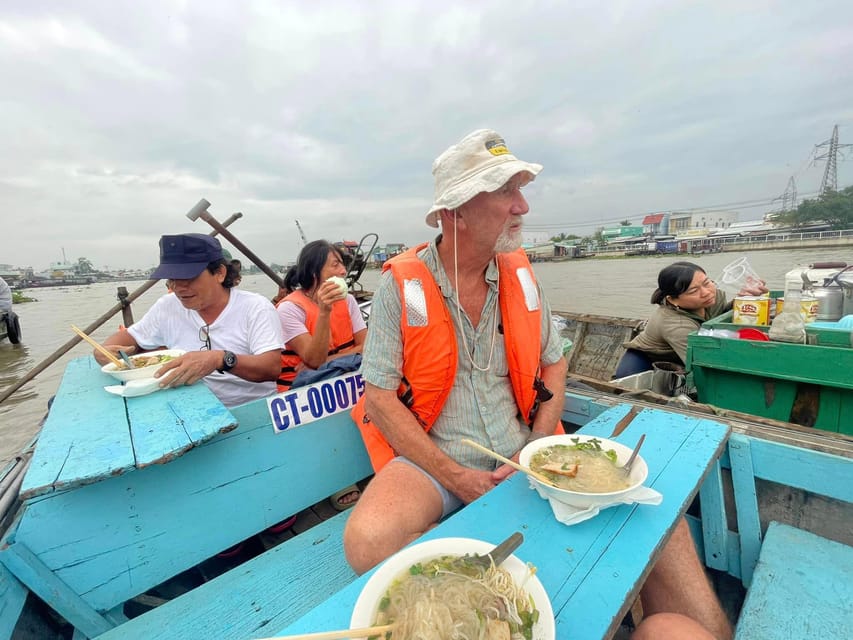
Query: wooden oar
[
  {"x": 109, "y": 354},
  {"x": 514, "y": 465},
  {"x": 366, "y": 632}
]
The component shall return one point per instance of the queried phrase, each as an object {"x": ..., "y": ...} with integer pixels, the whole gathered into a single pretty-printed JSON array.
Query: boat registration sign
[{"x": 294, "y": 408}]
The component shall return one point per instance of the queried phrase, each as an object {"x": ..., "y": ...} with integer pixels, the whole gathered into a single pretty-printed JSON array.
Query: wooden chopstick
[
  {"x": 366, "y": 632},
  {"x": 514, "y": 465},
  {"x": 109, "y": 354}
]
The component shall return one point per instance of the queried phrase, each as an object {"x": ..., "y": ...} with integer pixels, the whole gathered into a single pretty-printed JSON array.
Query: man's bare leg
[
  {"x": 399, "y": 505},
  {"x": 678, "y": 584},
  {"x": 670, "y": 626}
]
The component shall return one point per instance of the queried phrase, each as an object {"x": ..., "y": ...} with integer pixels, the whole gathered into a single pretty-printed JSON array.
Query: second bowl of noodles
[
  {"x": 587, "y": 469},
  {"x": 424, "y": 592}
]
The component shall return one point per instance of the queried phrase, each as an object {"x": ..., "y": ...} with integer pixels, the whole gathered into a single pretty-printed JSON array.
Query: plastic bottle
[{"x": 789, "y": 326}]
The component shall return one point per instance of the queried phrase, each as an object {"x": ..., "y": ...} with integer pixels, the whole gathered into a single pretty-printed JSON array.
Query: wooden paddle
[
  {"x": 366, "y": 632},
  {"x": 514, "y": 465},
  {"x": 109, "y": 354}
]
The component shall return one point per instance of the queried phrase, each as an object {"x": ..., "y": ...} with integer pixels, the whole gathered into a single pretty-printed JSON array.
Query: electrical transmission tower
[
  {"x": 789, "y": 198},
  {"x": 830, "y": 173}
]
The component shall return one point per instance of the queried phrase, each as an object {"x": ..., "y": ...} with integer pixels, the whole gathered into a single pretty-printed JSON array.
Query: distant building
[
  {"x": 622, "y": 231},
  {"x": 656, "y": 224},
  {"x": 709, "y": 221}
]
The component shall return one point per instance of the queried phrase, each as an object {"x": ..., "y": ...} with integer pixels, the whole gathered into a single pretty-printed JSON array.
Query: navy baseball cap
[{"x": 185, "y": 256}]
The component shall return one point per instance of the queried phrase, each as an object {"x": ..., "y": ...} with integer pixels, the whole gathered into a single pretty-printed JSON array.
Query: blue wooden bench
[
  {"x": 264, "y": 594},
  {"x": 86, "y": 546},
  {"x": 796, "y": 579},
  {"x": 802, "y": 587}
]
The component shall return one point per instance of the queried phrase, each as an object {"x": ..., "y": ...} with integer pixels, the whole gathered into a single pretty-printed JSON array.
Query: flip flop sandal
[
  {"x": 282, "y": 526},
  {"x": 335, "y": 499}
]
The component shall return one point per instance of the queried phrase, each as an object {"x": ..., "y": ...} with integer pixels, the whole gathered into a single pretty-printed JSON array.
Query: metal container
[
  {"x": 830, "y": 302},
  {"x": 845, "y": 279}
]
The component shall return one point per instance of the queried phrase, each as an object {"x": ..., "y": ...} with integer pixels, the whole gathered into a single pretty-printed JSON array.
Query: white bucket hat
[{"x": 479, "y": 163}]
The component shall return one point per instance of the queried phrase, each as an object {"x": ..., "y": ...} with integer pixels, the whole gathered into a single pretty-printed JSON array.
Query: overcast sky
[{"x": 118, "y": 116}]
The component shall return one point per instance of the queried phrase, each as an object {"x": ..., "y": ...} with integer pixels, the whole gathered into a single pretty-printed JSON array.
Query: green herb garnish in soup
[{"x": 583, "y": 466}]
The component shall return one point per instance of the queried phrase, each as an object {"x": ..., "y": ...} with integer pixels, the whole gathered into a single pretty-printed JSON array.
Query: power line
[{"x": 716, "y": 208}]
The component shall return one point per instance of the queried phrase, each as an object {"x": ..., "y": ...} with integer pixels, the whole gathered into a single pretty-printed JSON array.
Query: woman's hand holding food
[{"x": 329, "y": 293}]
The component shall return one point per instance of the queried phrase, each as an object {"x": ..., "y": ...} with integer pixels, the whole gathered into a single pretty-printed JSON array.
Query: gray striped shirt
[{"x": 481, "y": 405}]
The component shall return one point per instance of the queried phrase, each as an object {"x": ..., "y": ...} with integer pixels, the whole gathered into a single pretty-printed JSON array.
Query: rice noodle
[{"x": 450, "y": 599}]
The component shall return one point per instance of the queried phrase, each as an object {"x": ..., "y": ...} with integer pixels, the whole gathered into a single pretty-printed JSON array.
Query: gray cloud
[{"x": 118, "y": 117}]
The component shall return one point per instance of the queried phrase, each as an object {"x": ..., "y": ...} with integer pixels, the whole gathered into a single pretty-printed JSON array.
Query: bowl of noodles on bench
[
  {"x": 428, "y": 591},
  {"x": 587, "y": 470},
  {"x": 145, "y": 365}
]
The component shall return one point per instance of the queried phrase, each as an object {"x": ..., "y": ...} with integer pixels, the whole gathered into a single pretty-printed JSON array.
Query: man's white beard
[{"x": 508, "y": 241}]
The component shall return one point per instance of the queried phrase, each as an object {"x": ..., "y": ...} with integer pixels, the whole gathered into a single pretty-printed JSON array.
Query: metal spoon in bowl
[
  {"x": 626, "y": 468},
  {"x": 126, "y": 360}
]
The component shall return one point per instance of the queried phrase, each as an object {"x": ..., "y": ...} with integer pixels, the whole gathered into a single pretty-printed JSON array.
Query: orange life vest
[
  {"x": 340, "y": 330},
  {"x": 429, "y": 343}
]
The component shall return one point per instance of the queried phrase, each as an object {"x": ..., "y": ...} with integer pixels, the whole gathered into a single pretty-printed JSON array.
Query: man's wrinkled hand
[
  {"x": 475, "y": 484},
  {"x": 101, "y": 359},
  {"x": 188, "y": 368}
]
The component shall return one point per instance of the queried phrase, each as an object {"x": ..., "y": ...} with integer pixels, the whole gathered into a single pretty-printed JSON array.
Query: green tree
[
  {"x": 625, "y": 223},
  {"x": 834, "y": 208}
]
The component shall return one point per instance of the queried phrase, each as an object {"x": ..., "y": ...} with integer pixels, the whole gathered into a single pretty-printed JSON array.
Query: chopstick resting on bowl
[
  {"x": 109, "y": 354},
  {"x": 366, "y": 632},
  {"x": 534, "y": 474}
]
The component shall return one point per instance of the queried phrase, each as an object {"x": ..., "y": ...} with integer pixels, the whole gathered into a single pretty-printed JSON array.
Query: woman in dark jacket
[{"x": 686, "y": 297}]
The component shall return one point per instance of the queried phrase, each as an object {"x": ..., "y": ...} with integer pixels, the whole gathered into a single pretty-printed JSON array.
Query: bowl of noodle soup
[
  {"x": 425, "y": 606},
  {"x": 146, "y": 364},
  {"x": 599, "y": 480}
]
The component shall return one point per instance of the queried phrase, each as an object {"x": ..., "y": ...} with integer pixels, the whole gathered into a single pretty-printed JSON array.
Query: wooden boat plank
[
  {"x": 12, "y": 597},
  {"x": 118, "y": 538},
  {"x": 746, "y": 503},
  {"x": 162, "y": 431},
  {"x": 670, "y": 466},
  {"x": 714, "y": 523},
  {"x": 801, "y": 588},
  {"x": 267, "y": 592},
  {"x": 63, "y": 459}
]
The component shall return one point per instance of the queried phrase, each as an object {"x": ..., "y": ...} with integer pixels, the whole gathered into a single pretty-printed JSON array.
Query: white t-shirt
[
  {"x": 293, "y": 318},
  {"x": 249, "y": 324}
]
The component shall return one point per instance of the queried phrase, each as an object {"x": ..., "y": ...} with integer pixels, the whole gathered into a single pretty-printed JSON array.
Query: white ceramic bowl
[
  {"x": 364, "y": 612},
  {"x": 581, "y": 500},
  {"x": 140, "y": 372}
]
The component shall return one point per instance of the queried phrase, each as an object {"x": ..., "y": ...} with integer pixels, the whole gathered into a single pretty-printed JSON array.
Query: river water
[{"x": 615, "y": 287}]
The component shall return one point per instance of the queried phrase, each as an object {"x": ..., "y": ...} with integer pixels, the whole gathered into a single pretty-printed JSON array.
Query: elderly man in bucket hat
[
  {"x": 436, "y": 316},
  {"x": 232, "y": 337}
]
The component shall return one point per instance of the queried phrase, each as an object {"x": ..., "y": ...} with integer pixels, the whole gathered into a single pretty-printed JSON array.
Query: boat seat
[
  {"x": 260, "y": 596},
  {"x": 13, "y": 595},
  {"x": 802, "y": 588}
]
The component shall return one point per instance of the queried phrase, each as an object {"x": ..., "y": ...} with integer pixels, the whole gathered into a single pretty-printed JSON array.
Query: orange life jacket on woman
[
  {"x": 340, "y": 333},
  {"x": 430, "y": 349}
]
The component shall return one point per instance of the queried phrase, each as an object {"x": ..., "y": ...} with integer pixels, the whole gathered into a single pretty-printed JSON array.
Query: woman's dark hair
[
  {"x": 306, "y": 272},
  {"x": 230, "y": 272},
  {"x": 674, "y": 280}
]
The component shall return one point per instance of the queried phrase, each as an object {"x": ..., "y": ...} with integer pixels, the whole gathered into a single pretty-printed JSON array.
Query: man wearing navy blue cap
[{"x": 232, "y": 337}]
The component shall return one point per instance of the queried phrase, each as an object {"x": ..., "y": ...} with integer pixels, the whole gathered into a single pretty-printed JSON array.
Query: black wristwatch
[{"x": 229, "y": 361}]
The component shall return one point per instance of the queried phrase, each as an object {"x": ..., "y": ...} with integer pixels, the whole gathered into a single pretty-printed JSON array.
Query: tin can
[
  {"x": 751, "y": 310},
  {"x": 808, "y": 308}
]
